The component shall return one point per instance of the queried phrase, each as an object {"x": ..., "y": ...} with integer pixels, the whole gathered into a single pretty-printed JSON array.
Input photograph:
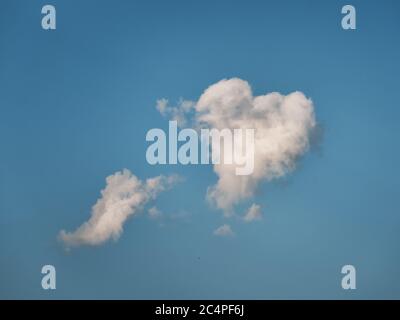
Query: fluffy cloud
[
  {"x": 254, "y": 213},
  {"x": 224, "y": 231},
  {"x": 283, "y": 127},
  {"x": 123, "y": 196}
]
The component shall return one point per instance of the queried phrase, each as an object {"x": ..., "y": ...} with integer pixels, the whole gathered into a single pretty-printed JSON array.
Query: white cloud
[
  {"x": 283, "y": 127},
  {"x": 123, "y": 196},
  {"x": 224, "y": 231},
  {"x": 254, "y": 213}
]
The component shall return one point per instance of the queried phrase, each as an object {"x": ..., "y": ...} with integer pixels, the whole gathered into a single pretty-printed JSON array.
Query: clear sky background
[{"x": 75, "y": 106}]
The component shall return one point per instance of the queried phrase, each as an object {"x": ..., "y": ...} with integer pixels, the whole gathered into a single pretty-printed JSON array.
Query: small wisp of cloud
[
  {"x": 253, "y": 213},
  {"x": 224, "y": 231}
]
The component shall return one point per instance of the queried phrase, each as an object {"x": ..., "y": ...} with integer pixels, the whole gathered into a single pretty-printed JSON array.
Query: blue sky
[{"x": 75, "y": 106}]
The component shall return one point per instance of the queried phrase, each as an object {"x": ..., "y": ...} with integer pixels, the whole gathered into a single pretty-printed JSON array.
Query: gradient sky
[{"x": 75, "y": 106}]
